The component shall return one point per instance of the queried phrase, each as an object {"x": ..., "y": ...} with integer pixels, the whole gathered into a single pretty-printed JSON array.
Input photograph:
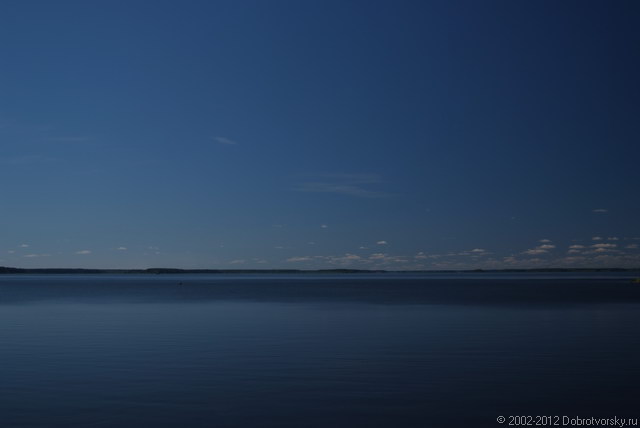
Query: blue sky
[{"x": 319, "y": 134}]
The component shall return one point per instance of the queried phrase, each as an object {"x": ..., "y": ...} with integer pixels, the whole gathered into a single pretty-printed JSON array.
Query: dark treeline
[
  {"x": 158, "y": 271},
  {"x": 12, "y": 270}
]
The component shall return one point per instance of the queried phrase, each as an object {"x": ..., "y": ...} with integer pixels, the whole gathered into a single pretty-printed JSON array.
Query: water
[{"x": 316, "y": 351}]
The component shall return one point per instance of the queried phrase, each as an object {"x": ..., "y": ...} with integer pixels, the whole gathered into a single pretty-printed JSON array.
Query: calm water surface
[{"x": 316, "y": 351}]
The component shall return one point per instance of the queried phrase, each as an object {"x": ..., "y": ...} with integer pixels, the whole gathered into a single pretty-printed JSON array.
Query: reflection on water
[{"x": 256, "y": 352}]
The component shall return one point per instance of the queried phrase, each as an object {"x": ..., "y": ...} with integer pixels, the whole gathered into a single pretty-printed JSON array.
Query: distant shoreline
[{"x": 164, "y": 271}]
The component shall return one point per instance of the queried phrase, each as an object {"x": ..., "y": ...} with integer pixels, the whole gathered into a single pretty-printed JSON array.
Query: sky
[{"x": 311, "y": 134}]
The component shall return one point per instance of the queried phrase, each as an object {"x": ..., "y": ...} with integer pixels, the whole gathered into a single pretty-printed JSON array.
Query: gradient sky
[{"x": 319, "y": 134}]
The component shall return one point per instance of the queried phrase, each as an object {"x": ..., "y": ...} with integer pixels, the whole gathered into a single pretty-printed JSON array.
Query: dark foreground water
[{"x": 316, "y": 351}]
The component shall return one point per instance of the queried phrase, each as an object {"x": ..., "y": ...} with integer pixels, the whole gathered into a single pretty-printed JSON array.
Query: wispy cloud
[
  {"x": 83, "y": 252},
  {"x": 381, "y": 242},
  {"x": 378, "y": 256},
  {"x": 540, "y": 249},
  {"x": 598, "y": 249},
  {"x": 70, "y": 139},
  {"x": 298, "y": 259},
  {"x": 604, "y": 246},
  {"x": 594, "y": 254},
  {"x": 600, "y": 210},
  {"x": 225, "y": 140},
  {"x": 121, "y": 248},
  {"x": 575, "y": 249},
  {"x": 27, "y": 160},
  {"x": 358, "y": 185}
]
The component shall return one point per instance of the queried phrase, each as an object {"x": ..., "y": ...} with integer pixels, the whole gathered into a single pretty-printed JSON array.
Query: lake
[{"x": 358, "y": 350}]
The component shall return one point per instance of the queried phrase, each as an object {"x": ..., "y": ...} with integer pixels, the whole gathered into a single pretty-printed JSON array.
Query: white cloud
[
  {"x": 347, "y": 258},
  {"x": 224, "y": 140},
  {"x": 83, "y": 252},
  {"x": 324, "y": 226},
  {"x": 478, "y": 250},
  {"x": 298, "y": 259},
  {"x": 613, "y": 238},
  {"x": 24, "y": 246},
  {"x": 535, "y": 251},
  {"x": 604, "y": 245},
  {"x": 600, "y": 210},
  {"x": 381, "y": 242},
  {"x": 597, "y": 238},
  {"x": 540, "y": 249},
  {"x": 602, "y": 248},
  {"x": 377, "y": 256},
  {"x": 545, "y": 241},
  {"x": 237, "y": 262},
  {"x": 121, "y": 248},
  {"x": 574, "y": 249}
]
